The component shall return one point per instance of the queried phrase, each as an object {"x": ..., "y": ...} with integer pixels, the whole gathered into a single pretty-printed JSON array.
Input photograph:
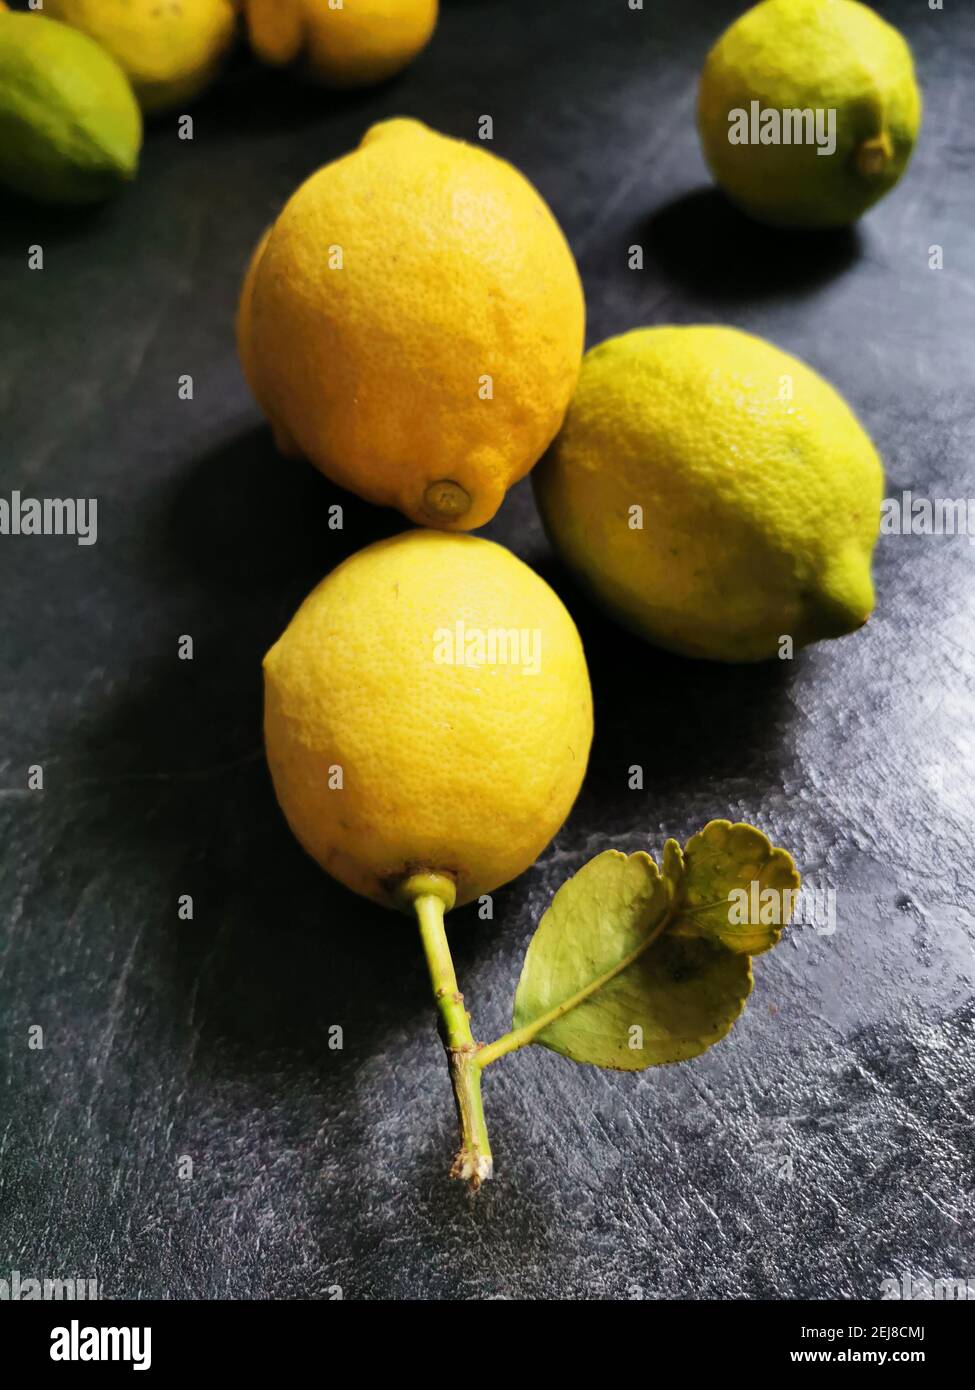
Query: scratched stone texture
[{"x": 828, "y": 1143}]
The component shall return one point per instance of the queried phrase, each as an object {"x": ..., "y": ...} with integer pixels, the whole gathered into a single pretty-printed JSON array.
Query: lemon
[
  {"x": 428, "y": 710},
  {"x": 360, "y": 42},
  {"x": 715, "y": 493},
  {"x": 70, "y": 128},
  {"x": 170, "y": 49},
  {"x": 413, "y": 324},
  {"x": 808, "y": 56}
]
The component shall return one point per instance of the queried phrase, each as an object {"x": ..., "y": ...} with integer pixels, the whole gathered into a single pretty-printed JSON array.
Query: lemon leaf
[
  {"x": 633, "y": 966},
  {"x": 737, "y": 889}
]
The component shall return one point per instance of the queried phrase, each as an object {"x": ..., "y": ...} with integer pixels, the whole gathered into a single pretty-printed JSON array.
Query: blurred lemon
[
  {"x": 170, "y": 49},
  {"x": 348, "y": 45},
  {"x": 70, "y": 128}
]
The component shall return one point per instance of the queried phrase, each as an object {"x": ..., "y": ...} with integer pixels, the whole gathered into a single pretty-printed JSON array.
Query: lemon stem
[
  {"x": 430, "y": 898},
  {"x": 874, "y": 155},
  {"x": 446, "y": 499}
]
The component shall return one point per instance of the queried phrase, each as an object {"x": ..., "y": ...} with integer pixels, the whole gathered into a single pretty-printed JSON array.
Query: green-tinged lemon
[
  {"x": 70, "y": 127},
  {"x": 716, "y": 494},
  {"x": 808, "y": 111}
]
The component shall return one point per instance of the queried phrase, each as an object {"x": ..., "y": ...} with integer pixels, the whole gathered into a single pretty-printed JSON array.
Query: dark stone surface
[{"x": 316, "y": 1168}]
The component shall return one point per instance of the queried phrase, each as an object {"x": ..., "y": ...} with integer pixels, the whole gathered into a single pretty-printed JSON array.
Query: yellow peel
[
  {"x": 275, "y": 29},
  {"x": 413, "y": 325}
]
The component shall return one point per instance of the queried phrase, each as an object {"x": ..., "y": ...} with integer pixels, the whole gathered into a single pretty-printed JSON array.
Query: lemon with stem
[{"x": 428, "y": 719}]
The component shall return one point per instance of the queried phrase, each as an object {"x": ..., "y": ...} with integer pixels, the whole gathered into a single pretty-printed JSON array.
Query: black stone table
[{"x": 828, "y": 1142}]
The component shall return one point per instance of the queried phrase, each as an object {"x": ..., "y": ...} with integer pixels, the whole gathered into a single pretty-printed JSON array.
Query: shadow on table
[
  {"x": 25, "y": 223},
  {"x": 252, "y": 98},
  {"x": 705, "y": 243},
  {"x": 247, "y": 523},
  {"x": 689, "y": 724},
  {"x": 276, "y": 951}
]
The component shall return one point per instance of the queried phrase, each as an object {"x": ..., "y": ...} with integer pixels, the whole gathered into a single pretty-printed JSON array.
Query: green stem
[
  {"x": 431, "y": 895},
  {"x": 521, "y": 1037}
]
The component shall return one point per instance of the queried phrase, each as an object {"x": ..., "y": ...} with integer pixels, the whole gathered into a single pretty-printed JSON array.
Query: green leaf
[
  {"x": 738, "y": 890},
  {"x": 633, "y": 966},
  {"x": 672, "y": 1001},
  {"x": 601, "y": 914}
]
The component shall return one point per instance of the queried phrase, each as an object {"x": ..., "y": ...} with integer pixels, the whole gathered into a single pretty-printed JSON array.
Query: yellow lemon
[
  {"x": 351, "y": 45},
  {"x": 808, "y": 111},
  {"x": 170, "y": 49},
  {"x": 70, "y": 128},
  {"x": 715, "y": 493},
  {"x": 428, "y": 710},
  {"x": 413, "y": 325}
]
